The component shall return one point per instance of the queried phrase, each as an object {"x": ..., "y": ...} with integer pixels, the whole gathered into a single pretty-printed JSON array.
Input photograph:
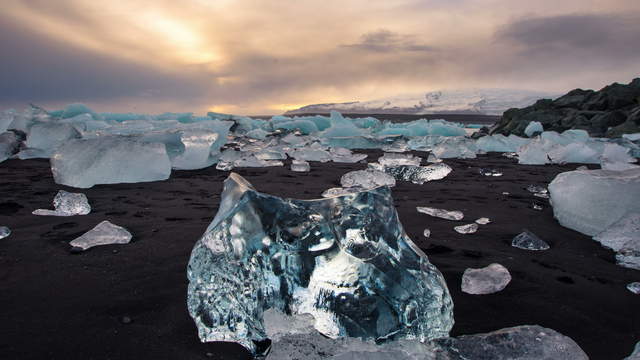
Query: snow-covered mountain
[{"x": 475, "y": 101}]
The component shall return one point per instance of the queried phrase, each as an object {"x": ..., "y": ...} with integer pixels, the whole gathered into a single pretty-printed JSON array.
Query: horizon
[{"x": 265, "y": 58}]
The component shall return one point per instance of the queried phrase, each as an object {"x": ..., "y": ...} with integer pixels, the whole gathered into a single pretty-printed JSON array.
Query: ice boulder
[
  {"x": 589, "y": 201},
  {"x": 416, "y": 174},
  {"x": 346, "y": 261},
  {"x": 84, "y": 163},
  {"x": 43, "y": 139},
  {"x": 67, "y": 204},
  {"x": 533, "y": 128}
]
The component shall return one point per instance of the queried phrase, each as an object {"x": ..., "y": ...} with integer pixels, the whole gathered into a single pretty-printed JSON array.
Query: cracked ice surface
[
  {"x": 487, "y": 280},
  {"x": 367, "y": 179},
  {"x": 4, "y": 232},
  {"x": 346, "y": 261},
  {"x": 67, "y": 204},
  {"x": 441, "y": 213},
  {"x": 104, "y": 233}
]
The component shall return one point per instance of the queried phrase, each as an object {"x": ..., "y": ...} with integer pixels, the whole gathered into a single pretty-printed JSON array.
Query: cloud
[{"x": 383, "y": 40}]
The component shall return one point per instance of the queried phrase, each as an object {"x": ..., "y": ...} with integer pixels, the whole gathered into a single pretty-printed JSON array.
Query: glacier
[{"x": 345, "y": 261}]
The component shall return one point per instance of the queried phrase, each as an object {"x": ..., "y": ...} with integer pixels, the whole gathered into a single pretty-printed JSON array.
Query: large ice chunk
[
  {"x": 197, "y": 149},
  {"x": 486, "y": 280},
  {"x": 589, "y": 201},
  {"x": 67, "y": 204},
  {"x": 367, "y": 179},
  {"x": 109, "y": 160},
  {"x": 635, "y": 355},
  {"x": 344, "y": 155},
  {"x": 43, "y": 139},
  {"x": 344, "y": 260},
  {"x": 394, "y": 159},
  {"x": 104, "y": 233},
  {"x": 416, "y": 174}
]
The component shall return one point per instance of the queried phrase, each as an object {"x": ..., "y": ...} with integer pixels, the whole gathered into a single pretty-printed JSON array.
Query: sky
[{"x": 268, "y": 56}]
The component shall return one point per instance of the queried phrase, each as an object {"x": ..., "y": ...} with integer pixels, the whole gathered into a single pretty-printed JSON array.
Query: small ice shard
[
  {"x": 623, "y": 234},
  {"x": 300, "y": 166},
  {"x": 529, "y": 241},
  {"x": 487, "y": 280},
  {"x": 415, "y": 174},
  {"x": 104, "y": 233},
  {"x": 582, "y": 167},
  {"x": 84, "y": 163},
  {"x": 536, "y": 206},
  {"x": 441, "y": 213},
  {"x": 346, "y": 261},
  {"x": 67, "y": 204},
  {"x": 483, "y": 221},
  {"x": 490, "y": 172},
  {"x": 525, "y": 342},
  {"x": 338, "y": 191},
  {"x": 395, "y": 159},
  {"x": 344, "y": 155},
  {"x": 4, "y": 232},
  {"x": 539, "y": 191},
  {"x": 628, "y": 258},
  {"x": 592, "y": 200},
  {"x": 634, "y": 287},
  {"x": 466, "y": 229},
  {"x": 426, "y": 233},
  {"x": 533, "y": 128},
  {"x": 367, "y": 179},
  {"x": 511, "y": 155}
]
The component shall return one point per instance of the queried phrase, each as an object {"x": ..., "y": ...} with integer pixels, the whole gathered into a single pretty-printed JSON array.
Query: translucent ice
[
  {"x": 628, "y": 258},
  {"x": 426, "y": 233},
  {"x": 466, "y": 229},
  {"x": 634, "y": 287},
  {"x": 415, "y": 174},
  {"x": 43, "y": 139},
  {"x": 310, "y": 154},
  {"x": 300, "y": 166},
  {"x": 483, "y": 221},
  {"x": 67, "y": 204},
  {"x": 4, "y": 232},
  {"x": 529, "y": 241},
  {"x": 490, "y": 172},
  {"x": 500, "y": 143},
  {"x": 9, "y": 145},
  {"x": 367, "y": 179},
  {"x": 346, "y": 261},
  {"x": 394, "y": 159},
  {"x": 589, "y": 201},
  {"x": 338, "y": 191},
  {"x": 441, "y": 213},
  {"x": 533, "y": 128},
  {"x": 197, "y": 149},
  {"x": 109, "y": 160},
  {"x": 487, "y": 280},
  {"x": 104, "y": 233},
  {"x": 456, "y": 147}
]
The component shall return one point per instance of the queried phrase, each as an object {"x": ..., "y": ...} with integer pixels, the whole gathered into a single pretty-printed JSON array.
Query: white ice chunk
[
  {"x": 533, "y": 128},
  {"x": 104, "y": 233},
  {"x": 367, "y": 179},
  {"x": 109, "y": 160},
  {"x": 466, "y": 229},
  {"x": 589, "y": 201},
  {"x": 616, "y": 157},
  {"x": 338, "y": 191},
  {"x": 634, "y": 287},
  {"x": 483, "y": 221},
  {"x": 67, "y": 204},
  {"x": 43, "y": 139},
  {"x": 344, "y": 155},
  {"x": 4, "y": 232},
  {"x": 9, "y": 145},
  {"x": 300, "y": 166},
  {"x": 623, "y": 234},
  {"x": 441, "y": 213},
  {"x": 487, "y": 280},
  {"x": 395, "y": 159},
  {"x": 426, "y": 233},
  {"x": 529, "y": 241}
]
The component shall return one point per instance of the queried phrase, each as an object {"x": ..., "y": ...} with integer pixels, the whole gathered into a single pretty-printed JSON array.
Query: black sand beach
[{"x": 128, "y": 301}]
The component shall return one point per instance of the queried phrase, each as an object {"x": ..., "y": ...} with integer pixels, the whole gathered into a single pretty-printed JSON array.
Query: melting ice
[{"x": 67, "y": 204}]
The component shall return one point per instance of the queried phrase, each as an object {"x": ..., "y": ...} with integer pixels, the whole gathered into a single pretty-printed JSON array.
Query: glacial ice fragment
[
  {"x": 367, "y": 179},
  {"x": 344, "y": 155},
  {"x": 634, "y": 287},
  {"x": 426, "y": 233},
  {"x": 487, "y": 280},
  {"x": 84, "y": 163},
  {"x": 529, "y": 241},
  {"x": 628, "y": 258},
  {"x": 490, "y": 172},
  {"x": 346, "y": 261},
  {"x": 197, "y": 149},
  {"x": 533, "y": 128},
  {"x": 483, "y": 221},
  {"x": 466, "y": 229},
  {"x": 539, "y": 191},
  {"x": 623, "y": 234},
  {"x": 300, "y": 166},
  {"x": 104, "y": 233},
  {"x": 394, "y": 159},
  {"x": 616, "y": 157},
  {"x": 44, "y": 138},
  {"x": 4, "y": 232},
  {"x": 67, "y": 204},
  {"x": 9, "y": 144},
  {"x": 589, "y": 201},
  {"x": 441, "y": 213},
  {"x": 338, "y": 191},
  {"x": 415, "y": 174}
]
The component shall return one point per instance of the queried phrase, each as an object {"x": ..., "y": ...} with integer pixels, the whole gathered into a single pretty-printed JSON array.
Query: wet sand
[{"x": 59, "y": 305}]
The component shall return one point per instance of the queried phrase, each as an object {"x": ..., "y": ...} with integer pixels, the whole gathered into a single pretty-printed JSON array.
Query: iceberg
[
  {"x": 394, "y": 159},
  {"x": 589, "y": 201},
  {"x": 367, "y": 179},
  {"x": 487, "y": 280},
  {"x": 43, "y": 139},
  {"x": 83, "y": 163},
  {"x": 67, "y": 204},
  {"x": 529, "y": 241},
  {"x": 345, "y": 261},
  {"x": 466, "y": 229},
  {"x": 441, "y": 213},
  {"x": 104, "y": 233},
  {"x": 4, "y": 232}
]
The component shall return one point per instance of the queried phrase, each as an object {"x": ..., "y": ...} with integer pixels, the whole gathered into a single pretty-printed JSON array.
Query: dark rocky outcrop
[{"x": 610, "y": 112}]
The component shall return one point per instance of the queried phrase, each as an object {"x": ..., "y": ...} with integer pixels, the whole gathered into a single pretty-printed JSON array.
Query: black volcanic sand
[{"x": 129, "y": 301}]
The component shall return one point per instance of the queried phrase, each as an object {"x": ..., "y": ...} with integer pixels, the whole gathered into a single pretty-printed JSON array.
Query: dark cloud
[
  {"x": 33, "y": 68},
  {"x": 384, "y": 40}
]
